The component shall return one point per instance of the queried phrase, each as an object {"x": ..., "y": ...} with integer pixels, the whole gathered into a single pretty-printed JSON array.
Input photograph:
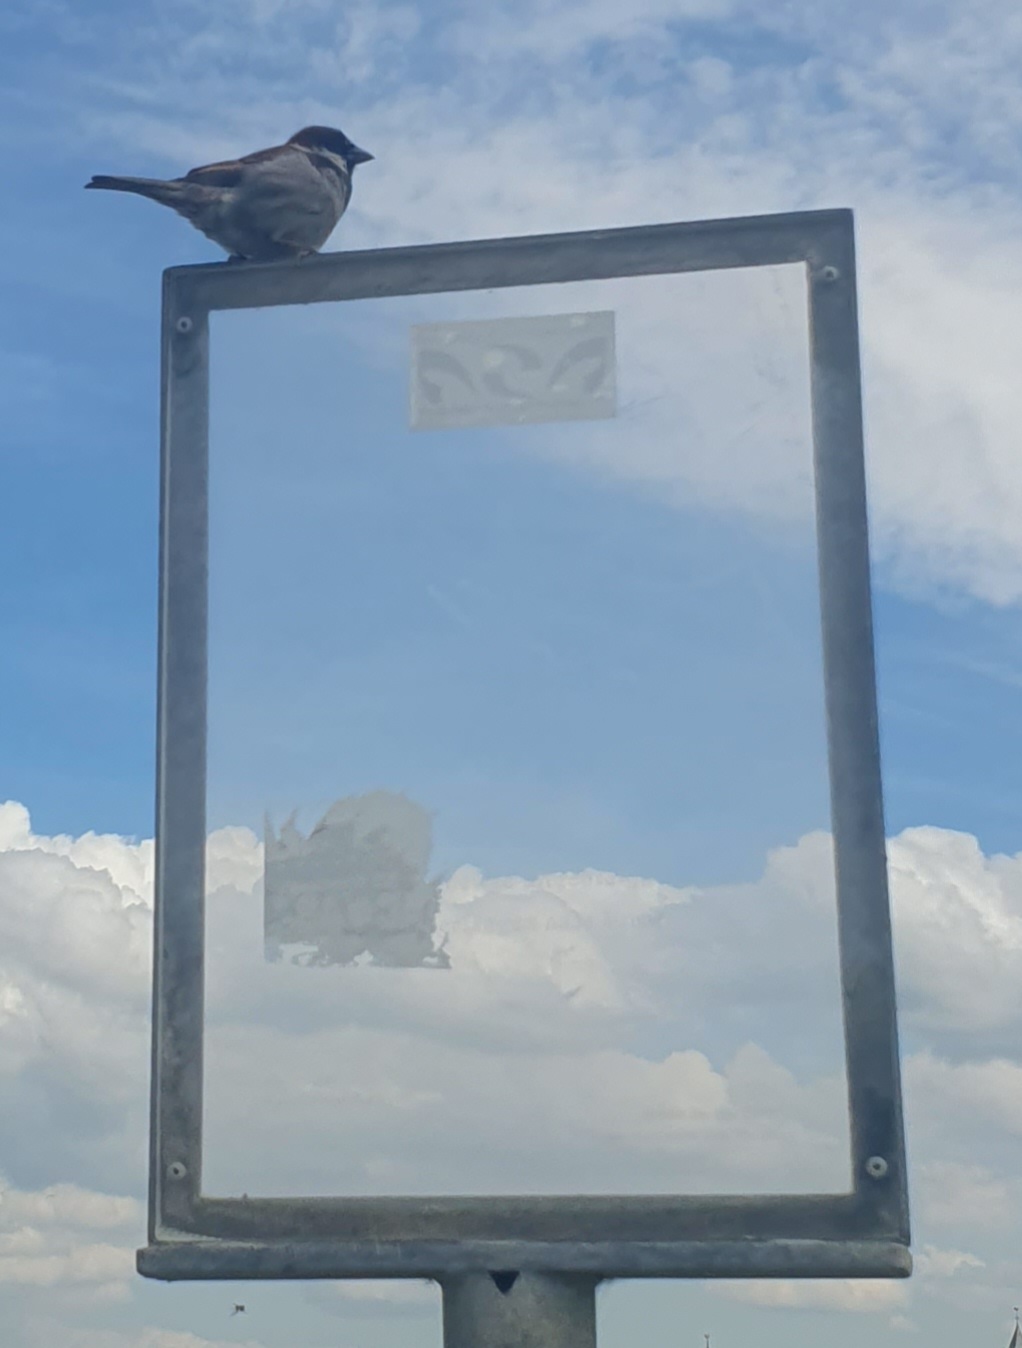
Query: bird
[
  {"x": 239, "y": 1309},
  {"x": 283, "y": 202}
]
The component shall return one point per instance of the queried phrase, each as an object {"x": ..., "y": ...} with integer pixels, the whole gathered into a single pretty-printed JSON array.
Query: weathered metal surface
[{"x": 861, "y": 1234}]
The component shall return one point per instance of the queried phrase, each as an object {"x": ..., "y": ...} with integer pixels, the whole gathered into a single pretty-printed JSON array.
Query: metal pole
[{"x": 519, "y": 1310}]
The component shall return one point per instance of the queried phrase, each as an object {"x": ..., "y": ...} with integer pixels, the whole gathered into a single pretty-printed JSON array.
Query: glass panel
[{"x": 520, "y": 878}]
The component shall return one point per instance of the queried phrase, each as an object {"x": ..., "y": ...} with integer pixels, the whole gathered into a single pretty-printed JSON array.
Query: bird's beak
[{"x": 357, "y": 156}]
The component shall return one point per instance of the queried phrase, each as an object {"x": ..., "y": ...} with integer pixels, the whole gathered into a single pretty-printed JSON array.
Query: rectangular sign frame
[{"x": 862, "y": 1233}]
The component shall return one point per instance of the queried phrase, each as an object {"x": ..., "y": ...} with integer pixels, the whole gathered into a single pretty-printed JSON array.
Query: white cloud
[
  {"x": 97, "y": 1263},
  {"x": 553, "y": 33},
  {"x": 363, "y": 1108},
  {"x": 873, "y": 122},
  {"x": 75, "y": 954},
  {"x": 48, "y": 1239},
  {"x": 869, "y": 1295},
  {"x": 953, "y": 1194},
  {"x": 972, "y": 1096},
  {"x": 562, "y": 1007},
  {"x": 959, "y": 930},
  {"x": 67, "y": 1205},
  {"x": 931, "y": 1262},
  {"x": 570, "y": 929},
  {"x": 129, "y": 865},
  {"x": 394, "y": 1296},
  {"x": 563, "y": 1043}
]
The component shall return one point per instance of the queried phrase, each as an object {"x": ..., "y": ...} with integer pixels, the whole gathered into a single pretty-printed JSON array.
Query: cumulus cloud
[
  {"x": 576, "y": 929},
  {"x": 645, "y": 1021},
  {"x": 563, "y": 1045},
  {"x": 129, "y": 865},
  {"x": 648, "y": 1024},
  {"x": 984, "y": 1095},
  {"x": 959, "y": 917},
  {"x": 957, "y": 1195},
  {"x": 68, "y": 1205},
  {"x": 75, "y": 954},
  {"x": 556, "y": 1047},
  {"x": 66, "y": 1237},
  {"x": 365, "y": 1111},
  {"x": 868, "y": 1295}
]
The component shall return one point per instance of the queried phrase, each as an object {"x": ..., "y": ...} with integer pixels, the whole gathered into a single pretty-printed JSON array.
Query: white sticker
[{"x": 513, "y": 371}]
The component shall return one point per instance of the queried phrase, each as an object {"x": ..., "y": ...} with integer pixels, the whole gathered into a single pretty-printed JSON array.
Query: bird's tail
[{"x": 154, "y": 188}]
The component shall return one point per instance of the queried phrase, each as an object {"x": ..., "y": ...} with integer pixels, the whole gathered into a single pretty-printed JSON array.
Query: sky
[{"x": 585, "y": 654}]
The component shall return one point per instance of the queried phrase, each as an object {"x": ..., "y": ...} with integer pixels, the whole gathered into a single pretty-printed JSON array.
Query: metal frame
[{"x": 864, "y": 1233}]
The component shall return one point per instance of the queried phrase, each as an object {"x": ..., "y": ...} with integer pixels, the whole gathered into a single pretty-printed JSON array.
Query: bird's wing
[{"x": 229, "y": 172}]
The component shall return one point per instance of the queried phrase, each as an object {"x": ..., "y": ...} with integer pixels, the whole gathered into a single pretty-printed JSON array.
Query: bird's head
[{"x": 331, "y": 142}]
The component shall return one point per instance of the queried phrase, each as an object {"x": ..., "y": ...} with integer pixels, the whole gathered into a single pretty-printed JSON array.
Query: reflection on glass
[{"x": 520, "y": 877}]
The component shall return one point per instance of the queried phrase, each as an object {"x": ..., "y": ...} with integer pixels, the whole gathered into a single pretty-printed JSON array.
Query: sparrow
[{"x": 278, "y": 203}]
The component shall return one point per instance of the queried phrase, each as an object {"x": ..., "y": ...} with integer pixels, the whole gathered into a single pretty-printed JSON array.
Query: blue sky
[
  {"x": 517, "y": 627},
  {"x": 82, "y": 302},
  {"x": 551, "y": 612}
]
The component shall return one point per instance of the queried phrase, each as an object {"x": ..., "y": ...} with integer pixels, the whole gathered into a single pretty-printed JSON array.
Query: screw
[
  {"x": 184, "y": 324},
  {"x": 177, "y": 1170},
  {"x": 829, "y": 274},
  {"x": 876, "y": 1167}
]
